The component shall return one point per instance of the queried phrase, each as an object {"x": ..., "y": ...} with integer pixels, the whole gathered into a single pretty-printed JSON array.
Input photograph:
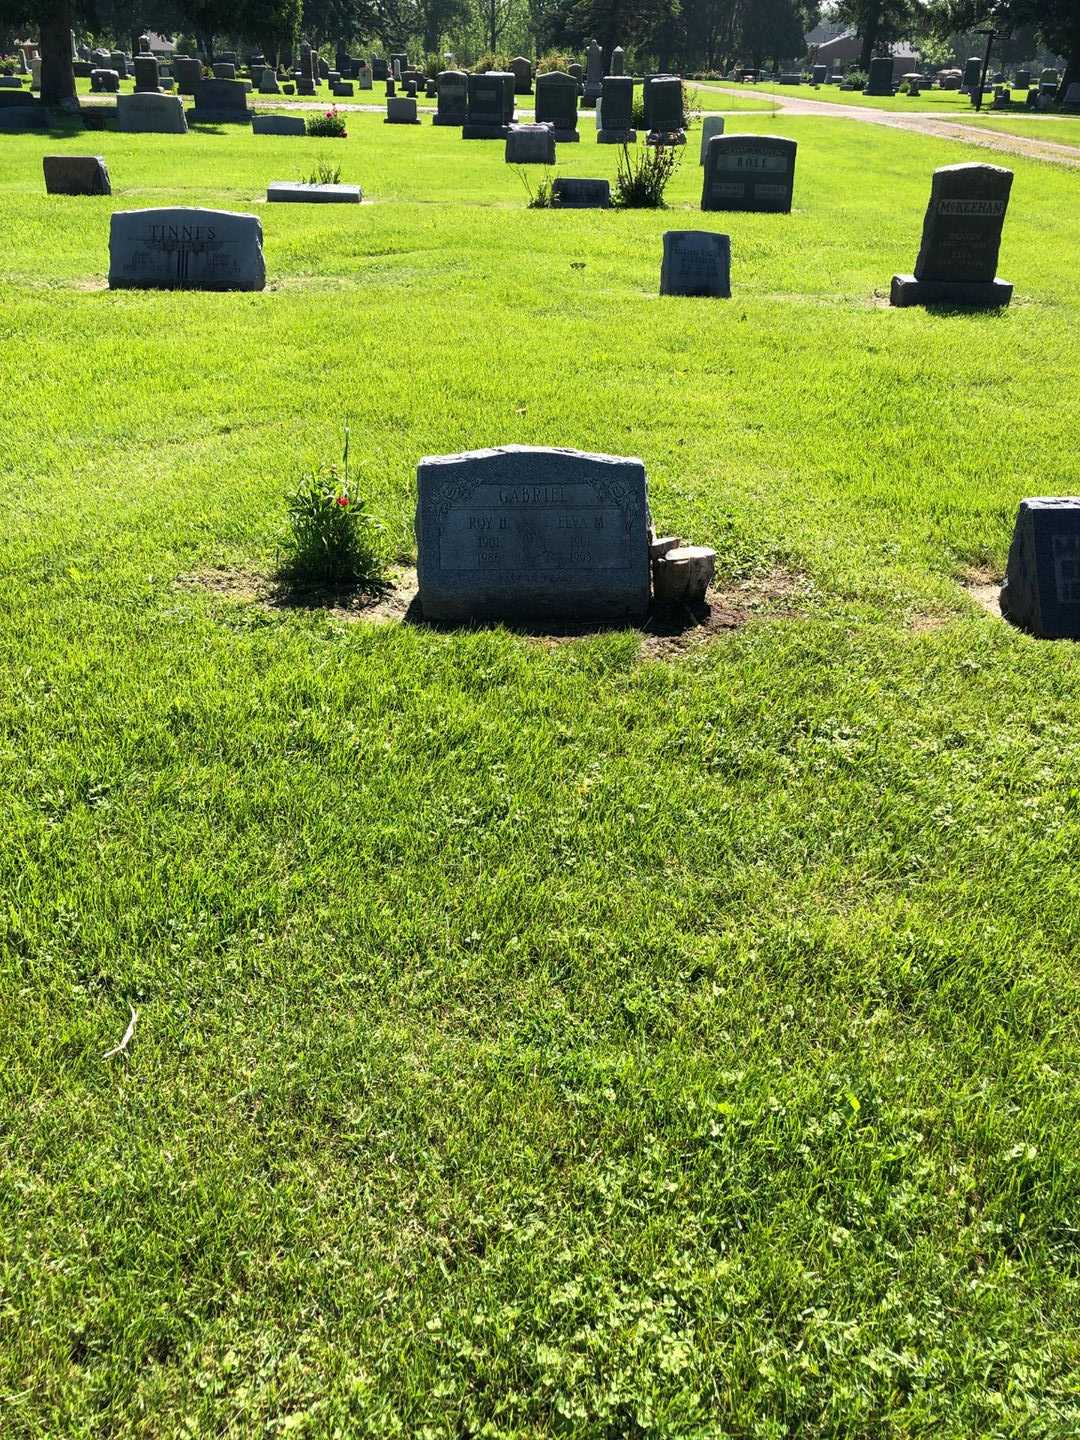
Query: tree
[
  {"x": 878, "y": 23},
  {"x": 53, "y": 20},
  {"x": 772, "y": 29},
  {"x": 273, "y": 24},
  {"x": 1055, "y": 22}
]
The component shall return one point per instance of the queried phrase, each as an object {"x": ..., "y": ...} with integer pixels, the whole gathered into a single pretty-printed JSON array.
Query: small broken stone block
[{"x": 683, "y": 575}]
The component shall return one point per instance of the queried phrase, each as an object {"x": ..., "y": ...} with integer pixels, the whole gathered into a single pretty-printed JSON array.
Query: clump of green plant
[
  {"x": 330, "y": 125},
  {"x": 325, "y": 174},
  {"x": 643, "y": 176},
  {"x": 335, "y": 541},
  {"x": 857, "y": 79},
  {"x": 691, "y": 106},
  {"x": 540, "y": 198}
]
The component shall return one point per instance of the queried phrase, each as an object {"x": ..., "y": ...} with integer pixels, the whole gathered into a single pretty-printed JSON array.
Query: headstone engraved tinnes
[
  {"x": 1041, "y": 592},
  {"x": 961, "y": 239},
  {"x": 530, "y": 533},
  {"x": 748, "y": 172},
  {"x": 185, "y": 249}
]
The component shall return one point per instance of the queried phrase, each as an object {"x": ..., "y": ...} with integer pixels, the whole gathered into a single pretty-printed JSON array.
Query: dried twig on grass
[{"x": 128, "y": 1033}]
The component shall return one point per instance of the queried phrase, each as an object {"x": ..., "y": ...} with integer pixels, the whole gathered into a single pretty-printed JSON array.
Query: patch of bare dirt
[
  {"x": 983, "y": 585},
  {"x": 669, "y": 631}
]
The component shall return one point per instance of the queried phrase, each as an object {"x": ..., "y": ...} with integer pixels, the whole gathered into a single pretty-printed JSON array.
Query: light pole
[{"x": 986, "y": 64}]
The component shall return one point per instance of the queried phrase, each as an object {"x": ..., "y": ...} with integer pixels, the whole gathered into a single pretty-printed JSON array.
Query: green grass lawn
[
  {"x": 703, "y": 100},
  {"x": 1064, "y": 129},
  {"x": 927, "y": 100},
  {"x": 534, "y": 1040}
]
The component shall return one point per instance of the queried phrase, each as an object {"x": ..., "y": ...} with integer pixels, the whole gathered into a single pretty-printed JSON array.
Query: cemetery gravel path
[{"x": 925, "y": 123}]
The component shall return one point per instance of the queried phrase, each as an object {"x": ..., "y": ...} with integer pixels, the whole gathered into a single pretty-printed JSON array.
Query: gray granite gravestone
[
  {"x": 220, "y": 102},
  {"x": 961, "y": 239},
  {"x": 490, "y": 105},
  {"x": 76, "y": 175},
  {"x": 530, "y": 145},
  {"x": 696, "y": 262},
  {"x": 616, "y": 109},
  {"x": 749, "y": 172},
  {"x": 147, "y": 114},
  {"x": 452, "y": 87},
  {"x": 521, "y": 69},
  {"x": 363, "y": 76},
  {"x": 711, "y": 125},
  {"x": 664, "y": 110},
  {"x": 1041, "y": 592},
  {"x": 185, "y": 249},
  {"x": 342, "y": 89},
  {"x": 224, "y": 71},
  {"x": 527, "y": 533},
  {"x": 268, "y": 82},
  {"x": 188, "y": 74},
  {"x": 118, "y": 62},
  {"x": 594, "y": 74},
  {"x": 278, "y": 125},
  {"x": 818, "y": 74},
  {"x": 880, "y": 80},
  {"x": 378, "y": 69},
  {"x": 618, "y": 61},
  {"x": 291, "y": 192},
  {"x": 557, "y": 104},
  {"x": 104, "y": 82},
  {"x": 146, "y": 73},
  {"x": 972, "y": 73},
  {"x": 574, "y": 194},
  {"x": 401, "y": 110}
]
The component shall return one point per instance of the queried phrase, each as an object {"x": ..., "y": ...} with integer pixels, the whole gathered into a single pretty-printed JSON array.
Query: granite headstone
[
  {"x": 185, "y": 249},
  {"x": 527, "y": 533}
]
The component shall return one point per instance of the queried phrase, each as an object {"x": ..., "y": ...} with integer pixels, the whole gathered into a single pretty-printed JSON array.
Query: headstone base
[
  {"x": 293, "y": 192},
  {"x": 967, "y": 295},
  {"x": 484, "y": 132},
  {"x": 666, "y": 137},
  {"x": 565, "y": 137},
  {"x": 447, "y": 120},
  {"x": 219, "y": 117},
  {"x": 616, "y": 137}
]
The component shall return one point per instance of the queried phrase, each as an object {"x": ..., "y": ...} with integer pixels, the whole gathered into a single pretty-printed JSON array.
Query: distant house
[{"x": 843, "y": 49}]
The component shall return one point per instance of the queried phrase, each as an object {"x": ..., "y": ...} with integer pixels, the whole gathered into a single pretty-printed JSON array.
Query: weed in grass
[
  {"x": 325, "y": 174},
  {"x": 643, "y": 176},
  {"x": 334, "y": 542},
  {"x": 541, "y": 197}
]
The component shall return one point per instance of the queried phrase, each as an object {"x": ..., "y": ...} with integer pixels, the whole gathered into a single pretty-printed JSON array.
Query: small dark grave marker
[{"x": 1041, "y": 592}]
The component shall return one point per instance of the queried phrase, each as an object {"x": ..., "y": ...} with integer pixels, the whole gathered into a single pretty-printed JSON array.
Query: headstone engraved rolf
[
  {"x": 531, "y": 533},
  {"x": 961, "y": 238},
  {"x": 1041, "y": 592},
  {"x": 748, "y": 172},
  {"x": 185, "y": 249}
]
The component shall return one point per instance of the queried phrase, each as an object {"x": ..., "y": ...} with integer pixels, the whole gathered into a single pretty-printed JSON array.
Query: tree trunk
[
  {"x": 1072, "y": 65},
  {"x": 57, "y": 74},
  {"x": 871, "y": 26}
]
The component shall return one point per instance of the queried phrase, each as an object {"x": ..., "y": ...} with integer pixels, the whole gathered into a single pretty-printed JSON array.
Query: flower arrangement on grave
[
  {"x": 334, "y": 540},
  {"x": 330, "y": 124}
]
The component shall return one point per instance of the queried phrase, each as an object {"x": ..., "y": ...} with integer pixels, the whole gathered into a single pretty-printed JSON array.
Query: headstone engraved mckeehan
[
  {"x": 1041, "y": 592},
  {"x": 531, "y": 533},
  {"x": 749, "y": 172},
  {"x": 961, "y": 240},
  {"x": 185, "y": 249}
]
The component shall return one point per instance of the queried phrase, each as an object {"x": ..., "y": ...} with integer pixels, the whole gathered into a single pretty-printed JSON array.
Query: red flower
[{"x": 343, "y": 500}]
